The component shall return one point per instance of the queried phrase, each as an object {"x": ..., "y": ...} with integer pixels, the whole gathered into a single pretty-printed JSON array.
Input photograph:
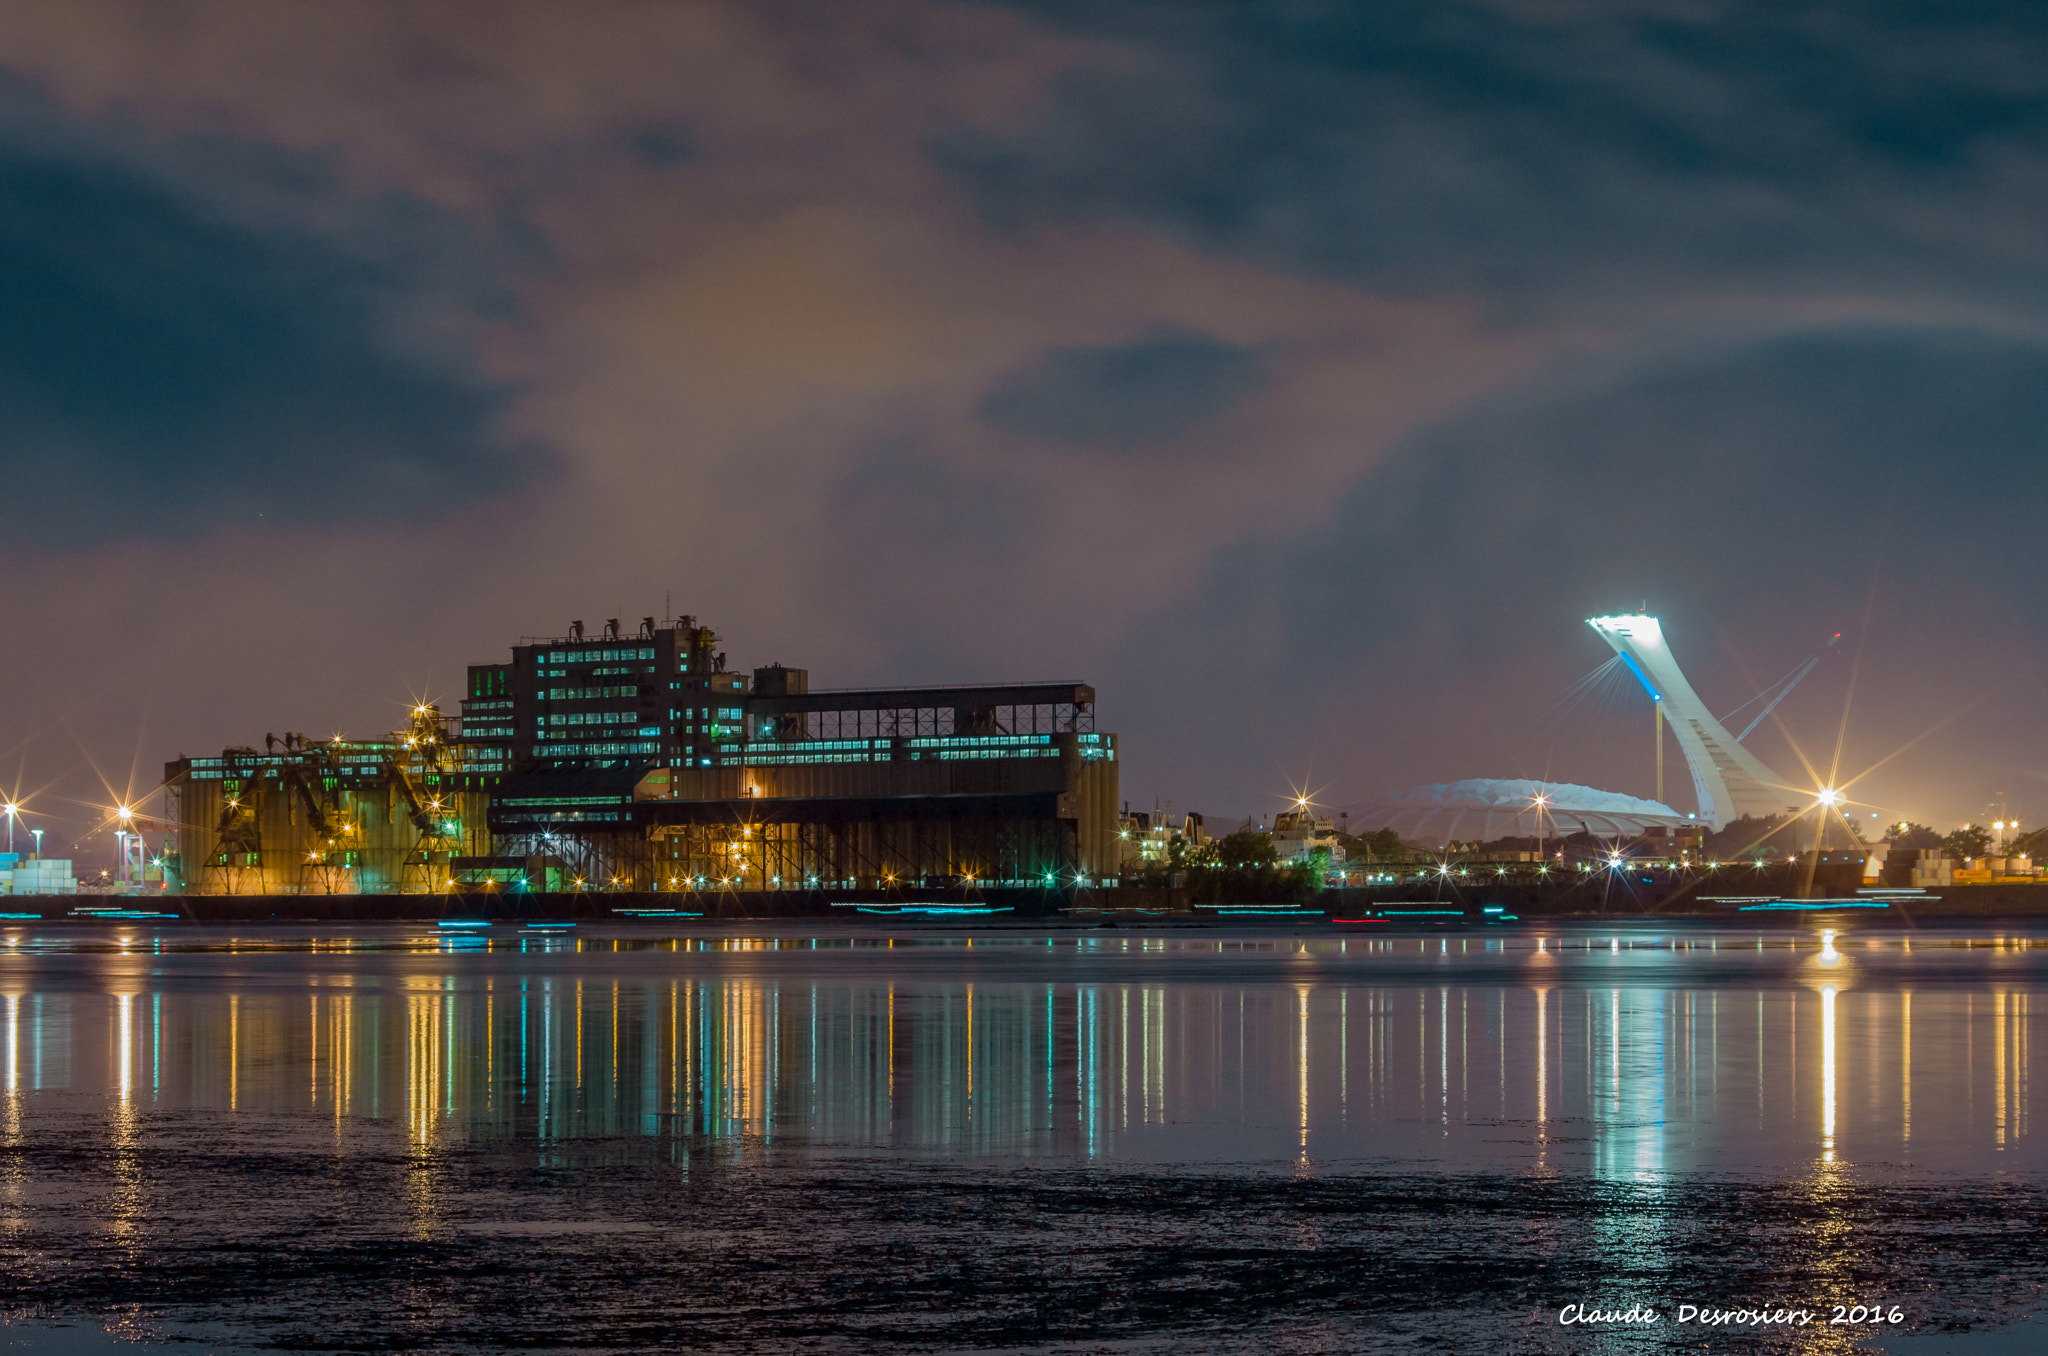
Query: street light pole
[{"x": 121, "y": 836}]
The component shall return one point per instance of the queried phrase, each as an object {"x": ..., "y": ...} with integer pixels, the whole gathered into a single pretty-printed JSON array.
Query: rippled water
[{"x": 388, "y": 1138}]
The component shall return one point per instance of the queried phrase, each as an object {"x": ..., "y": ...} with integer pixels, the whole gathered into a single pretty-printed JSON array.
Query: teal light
[{"x": 1786, "y": 904}]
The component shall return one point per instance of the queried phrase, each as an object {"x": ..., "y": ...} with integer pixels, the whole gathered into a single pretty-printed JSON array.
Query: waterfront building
[{"x": 642, "y": 762}]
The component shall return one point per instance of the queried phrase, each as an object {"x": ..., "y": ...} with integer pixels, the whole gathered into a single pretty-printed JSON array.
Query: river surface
[{"x": 834, "y": 1139}]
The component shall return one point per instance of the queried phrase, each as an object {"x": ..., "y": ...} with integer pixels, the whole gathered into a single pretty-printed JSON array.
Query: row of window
[
  {"x": 591, "y": 718},
  {"x": 363, "y": 749},
  {"x": 976, "y": 741},
  {"x": 586, "y": 694},
  {"x": 216, "y": 774},
  {"x": 596, "y": 656},
  {"x": 554, "y": 750},
  {"x": 576, "y": 816},
  {"x": 771, "y": 759},
  {"x": 766, "y": 755}
]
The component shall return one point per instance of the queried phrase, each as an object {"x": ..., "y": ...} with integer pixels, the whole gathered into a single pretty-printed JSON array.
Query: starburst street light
[{"x": 1828, "y": 796}]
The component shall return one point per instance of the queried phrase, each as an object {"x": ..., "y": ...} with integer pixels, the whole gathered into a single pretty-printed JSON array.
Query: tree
[
  {"x": 2029, "y": 844},
  {"x": 1906, "y": 835},
  {"x": 1968, "y": 841},
  {"x": 1246, "y": 847},
  {"x": 1383, "y": 845},
  {"x": 1244, "y": 867}
]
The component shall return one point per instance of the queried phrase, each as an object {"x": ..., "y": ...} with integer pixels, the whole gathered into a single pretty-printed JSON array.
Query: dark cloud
[
  {"x": 171, "y": 358},
  {"x": 1760, "y": 486},
  {"x": 1149, "y": 390},
  {"x": 1715, "y": 476},
  {"x": 1426, "y": 144}
]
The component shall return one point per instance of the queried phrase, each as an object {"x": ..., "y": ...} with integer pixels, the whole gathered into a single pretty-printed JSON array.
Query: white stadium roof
[{"x": 1485, "y": 808}]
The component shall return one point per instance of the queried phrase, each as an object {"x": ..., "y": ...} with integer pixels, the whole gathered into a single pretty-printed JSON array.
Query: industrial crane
[
  {"x": 425, "y": 741},
  {"x": 238, "y": 837},
  {"x": 312, "y": 780}
]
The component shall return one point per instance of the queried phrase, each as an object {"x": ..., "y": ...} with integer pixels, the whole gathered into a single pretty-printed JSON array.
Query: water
[{"x": 1185, "y": 1139}]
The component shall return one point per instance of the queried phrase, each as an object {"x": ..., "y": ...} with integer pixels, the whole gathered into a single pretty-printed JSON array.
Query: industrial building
[
  {"x": 639, "y": 762},
  {"x": 339, "y": 816}
]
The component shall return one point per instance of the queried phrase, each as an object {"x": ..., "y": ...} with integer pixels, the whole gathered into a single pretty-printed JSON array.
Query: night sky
[{"x": 1299, "y": 374}]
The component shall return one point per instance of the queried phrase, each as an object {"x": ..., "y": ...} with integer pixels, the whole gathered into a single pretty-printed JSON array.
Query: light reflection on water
[{"x": 1616, "y": 1057}]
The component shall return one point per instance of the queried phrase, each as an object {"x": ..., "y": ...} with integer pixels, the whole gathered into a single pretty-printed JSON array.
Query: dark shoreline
[
  {"x": 722, "y": 1250},
  {"x": 1521, "y": 905}
]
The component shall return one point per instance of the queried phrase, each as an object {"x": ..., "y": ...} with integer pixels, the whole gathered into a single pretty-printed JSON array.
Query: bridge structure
[{"x": 1729, "y": 780}]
